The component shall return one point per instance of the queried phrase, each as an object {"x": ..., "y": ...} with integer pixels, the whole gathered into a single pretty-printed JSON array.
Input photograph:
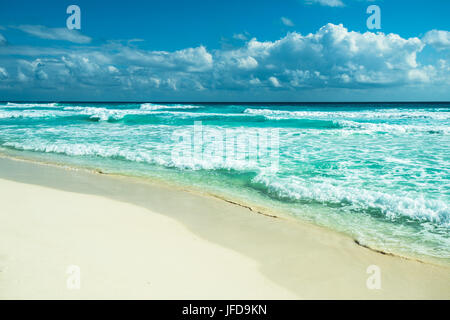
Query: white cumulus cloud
[
  {"x": 331, "y": 57},
  {"x": 439, "y": 39}
]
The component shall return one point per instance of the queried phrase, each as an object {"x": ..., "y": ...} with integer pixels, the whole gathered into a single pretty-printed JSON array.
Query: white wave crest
[
  {"x": 137, "y": 154},
  {"x": 392, "y": 205},
  {"x": 437, "y": 114},
  {"x": 30, "y": 114},
  {"x": 154, "y": 107},
  {"x": 393, "y": 128},
  {"x": 104, "y": 114},
  {"x": 29, "y": 105}
]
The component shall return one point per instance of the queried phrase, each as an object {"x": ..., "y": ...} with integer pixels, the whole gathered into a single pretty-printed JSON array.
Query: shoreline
[
  {"x": 300, "y": 253},
  {"x": 252, "y": 207}
]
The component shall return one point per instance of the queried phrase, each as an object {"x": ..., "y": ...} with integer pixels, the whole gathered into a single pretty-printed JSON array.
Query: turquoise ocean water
[{"x": 377, "y": 172}]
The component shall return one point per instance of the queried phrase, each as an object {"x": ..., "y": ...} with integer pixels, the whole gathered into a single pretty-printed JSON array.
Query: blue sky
[{"x": 211, "y": 50}]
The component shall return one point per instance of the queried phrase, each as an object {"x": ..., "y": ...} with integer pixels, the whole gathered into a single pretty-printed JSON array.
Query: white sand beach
[{"x": 134, "y": 239}]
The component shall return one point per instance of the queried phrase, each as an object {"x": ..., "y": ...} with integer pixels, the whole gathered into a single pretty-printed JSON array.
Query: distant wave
[
  {"x": 373, "y": 114},
  {"x": 104, "y": 114},
  {"x": 160, "y": 114},
  {"x": 181, "y": 114},
  {"x": 153, "y": 107},
  {"x": 394, "y": 128},
  {"x": 31, "y": 114},
  {"x": 143, "y": 116},
  {"x": 28, "y": 105}
]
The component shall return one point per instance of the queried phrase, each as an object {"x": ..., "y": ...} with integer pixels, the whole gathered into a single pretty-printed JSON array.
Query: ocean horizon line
[{"x": 225, "y": 102}]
